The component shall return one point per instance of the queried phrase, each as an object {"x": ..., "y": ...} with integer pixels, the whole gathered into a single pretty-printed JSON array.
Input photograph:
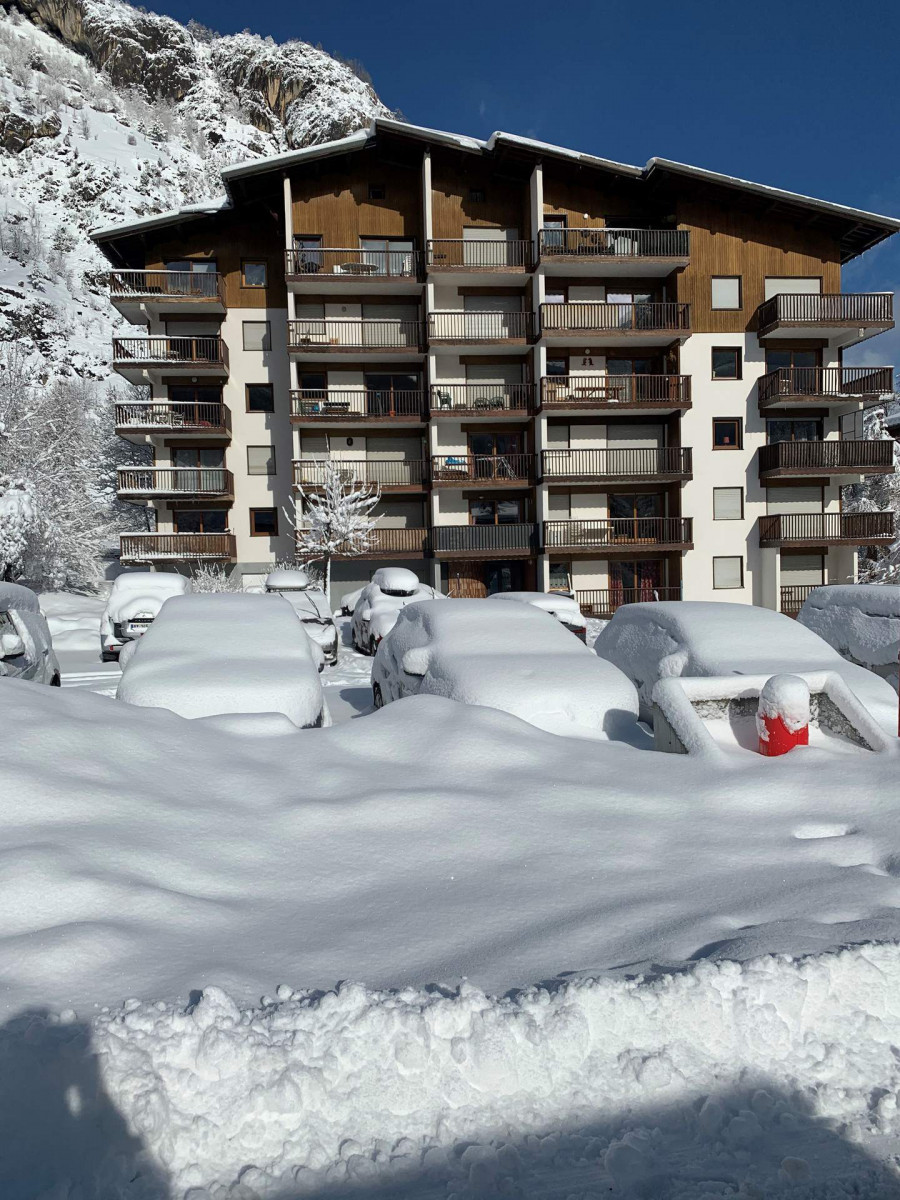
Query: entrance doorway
[{"x": 473, "y": 579}]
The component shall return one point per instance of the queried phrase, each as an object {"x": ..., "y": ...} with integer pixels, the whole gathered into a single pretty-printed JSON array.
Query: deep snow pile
[
  {"x": 861, "y": 621},
  {"x": 73, "y": 620}
]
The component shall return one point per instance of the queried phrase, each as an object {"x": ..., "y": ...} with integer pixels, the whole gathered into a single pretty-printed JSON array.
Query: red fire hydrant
[{"x": 782, "y": 718}]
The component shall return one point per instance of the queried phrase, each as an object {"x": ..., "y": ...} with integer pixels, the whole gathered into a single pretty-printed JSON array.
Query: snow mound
[
  {"x": 74, "y": 620},
  {"x": 861, "y": 620}
]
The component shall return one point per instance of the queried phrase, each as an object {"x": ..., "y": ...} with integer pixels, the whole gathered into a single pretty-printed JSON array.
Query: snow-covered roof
[{"x": 187, "y": 212}]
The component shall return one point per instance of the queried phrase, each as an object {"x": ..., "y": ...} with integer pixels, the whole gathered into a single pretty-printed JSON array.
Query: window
[
  {"x": 260, "y": 397},
  {"x": 495, "y": 512},
  {"x": 476, "y": 195},
  {"x": 253, "y": 273},
  {"x": 194, "y": 266},
  {"x": 257, "y": 335},
  {"x": 260, "y": 460},
  {"x": 559, "y": 577},
  {"x": 807, "y": 285},
  {"x": 726, "y": 433},
  {"x": 728, "y": 573},
  {"x": 263, "y": 522},
  {"x": 213, "y": 520},
  {"x": 793, "y": 429},
  {"x": 726, "y": 363},
  {"x": 726, "y": 291},
  {"x": 557, "y": 366},
  {"x": 377, "y": 191},
  {"x": 554, "y": 234},
  {"x": 728, "y": 504}
]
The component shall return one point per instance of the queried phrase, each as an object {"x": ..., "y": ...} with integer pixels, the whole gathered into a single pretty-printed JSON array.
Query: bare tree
[{"x": 336, "y": 519}]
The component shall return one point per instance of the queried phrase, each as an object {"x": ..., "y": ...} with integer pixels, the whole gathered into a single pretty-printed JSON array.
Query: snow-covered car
[
  {"x": 666, "y": 639},
  {"x": 135, "y": 599},
  {"x": 507, "y": 656},
  {"x": 225, "y": 653},
  {"x": 557, "y": 604},
  {"x": 391, "y": 590},
  {"x": 349, "y": 600},
  {"x": 311, "y": 606},
  {"x": 26, "y": 648},
  {"x": 861, "y": 621}
]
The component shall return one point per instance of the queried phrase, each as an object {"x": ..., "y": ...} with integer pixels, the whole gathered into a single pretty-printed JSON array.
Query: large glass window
[
  {"x": 214, "y": 520},
  {"x": 793, "y": 429},
  {"x": 495, "y": 512}
]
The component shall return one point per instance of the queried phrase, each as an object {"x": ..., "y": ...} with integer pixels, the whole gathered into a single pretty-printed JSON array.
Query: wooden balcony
[
  {"x": 358, "y": 406},
  {"x": 616, "y": 393},
  {"x": 649, "y": 323},
  {"x": 646, "y": 464},
  {"x": 177, "y": 547},
  {"x": 484, "y": 541},
  {"x": 481, "y": 328},
  {"x": 844, "y": 318},
  {"x": 393, "y": 543},
  {"x": 827, "y": 529},
  {"x": 633, "y": 252},
  {"x": 493, "y": 400},
  {"x": 354, "y": 269},
  {"x": 792, "y": 460},
  {"x": 137, "y": 421},
  {"x": 491, "y": 470},
  {"x": 139, "y": 359},
  {"x": 391, "y": 475},
  {"x": 604, "y": 602},
  {"x": 805, "y": 386},
  {"x": 498, "y": 257},
  {"x": 208, "y": 483},
  {"x": 615, "y": 536},
  {"x": 141, "y": 294},
  {"x": 793, "y": 597},
  {"x": 375, "y": 336}
]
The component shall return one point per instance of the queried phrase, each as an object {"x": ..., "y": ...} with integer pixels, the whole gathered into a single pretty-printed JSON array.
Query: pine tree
[{"x": 336, "y": 519}]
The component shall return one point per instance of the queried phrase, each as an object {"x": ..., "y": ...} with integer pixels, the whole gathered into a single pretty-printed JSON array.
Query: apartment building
[{"x": 563, "y": 372}]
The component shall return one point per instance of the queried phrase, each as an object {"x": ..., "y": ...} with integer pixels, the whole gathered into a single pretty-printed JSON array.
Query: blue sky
[{"x": 802, "y": 94}]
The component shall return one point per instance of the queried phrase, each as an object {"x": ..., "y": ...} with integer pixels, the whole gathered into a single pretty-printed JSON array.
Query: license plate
[{"x": 138, "y": 627}]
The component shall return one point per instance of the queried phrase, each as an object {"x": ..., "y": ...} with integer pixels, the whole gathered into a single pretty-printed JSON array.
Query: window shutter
[
  {"x": 728, "y": 504},
  {"x": 727, "y": 572}
]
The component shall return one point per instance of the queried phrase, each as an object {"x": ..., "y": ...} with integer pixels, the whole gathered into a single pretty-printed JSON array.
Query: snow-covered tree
[
  {"x": 878, "y": 493},
  {"x": 211, "y": 577},
  {"x": 336, "y": 519}
]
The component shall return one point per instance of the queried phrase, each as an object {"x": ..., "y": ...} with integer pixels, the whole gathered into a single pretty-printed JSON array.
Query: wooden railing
[
  {"x": 812, "y": 457},
  {"x": 481, "y": 399},
  {"x": 815, "y": 308},
  {"x": 482, "y": 468},
  {"x": 603, "y": 602},
  {"x": 595, "y": 390},
  {"x": 165, "y": 415},
  {"x": 199, "y": 481},
  {"x": 355, "y": 262},
  {"x": 354, "y": 333},
  {"x": 387, "y": 473},
  {"x": 615, "y": 243},
  {"x": 395, "y": 542},
  {"x": 349, "y": 403},
  {"x": 841, "y": 384},
  {"x": 610, "y": 532},
  {"x": 181, "y": 285},
  {"x": 488, "y": 255},
  {"x": 150, "y": 547},
  {"x": 586, "y": 316},
  {"x": 480, "y": 326},
  {"x": 195, "y": 351},
  {"x": 484, "y": 539},
  {"x": 644, "y": 461},
  {"x": 793, "y": 596},
  {"x": 858, "y": 529}
]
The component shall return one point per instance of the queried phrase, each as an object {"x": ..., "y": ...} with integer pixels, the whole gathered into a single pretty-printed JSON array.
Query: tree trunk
[{"x": 328, "y": 579}]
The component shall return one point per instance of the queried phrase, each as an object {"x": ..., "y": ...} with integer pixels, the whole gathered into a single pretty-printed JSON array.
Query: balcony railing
[
  {"x": 205, "y": 351},
  {"x": 500, "y": 540},
  {"x": 793, "y": 596},
  {"x": 391, "y": 543},
  {"x": 172, "y": 416},
  {"x": 329, "y": 262},
  {"x": 645, "y": 462},
  {"x": 354, "y": 333},
  {"x": 840, "y": 385},
  {"x": 594, "y": 317},
  {"x": 481, "y": 326},
  {"x": 153, "y": 547},
  {"x": 615, "y": 243},
  {"x": 163, "y": 285},
  {"x": 175, "y": 481},
  {"x": 482, "y": 468},
  {"x": 460, "y": 254},
  {"x": 603, "y": 602},
  {"x": 816, "y": 308},
  {"x": 616, "y": 391},
  {"x": 816, "y": 529},
  {"x": 481, "y": 399},
  {"x": 338, "y": 404},
  {"x": 387, "y": 473},
  {"x": 873, "y": 456},
  {"x": 611, "y": 533}
]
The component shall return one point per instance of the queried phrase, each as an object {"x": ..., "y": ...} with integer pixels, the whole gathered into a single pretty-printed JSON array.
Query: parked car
[
  {"x": 391, "y": 589},
  {"x": 349, "y": 600},
  {"x": 508, "y": 656},
  {"x": 311, "y": 606},
  {"x": 26, "y": 648},
  {"x": 135, "y": 599},
  {"x": 861, "y": 621},
  {"x": 208, "y": 655},
  {"x": 664, "y": 639},
  {"x": 557, "y": 604}
]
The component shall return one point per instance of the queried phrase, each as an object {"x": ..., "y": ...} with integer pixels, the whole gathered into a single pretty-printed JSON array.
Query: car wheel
[
  {"x": 56, "y": 681},
  {"x": 377, "y": 698},
  {"x": 373, "y": 646},
  {"x": 109, "y": 656}
]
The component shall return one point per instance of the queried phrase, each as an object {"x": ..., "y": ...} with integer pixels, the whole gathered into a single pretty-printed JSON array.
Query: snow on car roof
[
  {"x": 859, "y": 619},
  {"x": 396, "y": 579},
  {"x": 22, "y": 599},
  {"x": 165, "y": 582},
  {"x": 551, "y": 602},
  {"x": 473, "y": 627}
]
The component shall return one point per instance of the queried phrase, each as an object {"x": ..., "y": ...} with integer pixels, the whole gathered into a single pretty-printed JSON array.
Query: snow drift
[{"x": 861, "y": 621}]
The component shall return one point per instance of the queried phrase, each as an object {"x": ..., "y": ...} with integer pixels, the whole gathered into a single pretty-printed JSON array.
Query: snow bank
[
  {"x": 74, "y": 620},
  {"x": 861, "y": 620}
]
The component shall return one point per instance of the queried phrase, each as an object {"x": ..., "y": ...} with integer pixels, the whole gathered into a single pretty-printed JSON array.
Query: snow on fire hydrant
[{"x": 782, "y": 718}]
